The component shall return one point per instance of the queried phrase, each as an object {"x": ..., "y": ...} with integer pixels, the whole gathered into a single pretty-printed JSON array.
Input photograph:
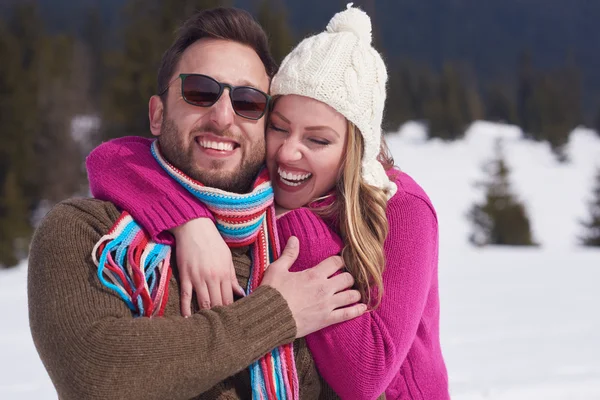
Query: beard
[{"x": 178, "y": 149}]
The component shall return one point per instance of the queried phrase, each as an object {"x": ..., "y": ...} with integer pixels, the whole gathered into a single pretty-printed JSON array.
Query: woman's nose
[{"x": 289, "y": 151}]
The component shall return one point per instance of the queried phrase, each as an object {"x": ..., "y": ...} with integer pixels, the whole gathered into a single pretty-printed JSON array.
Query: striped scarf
[{"x": 138, "y": 269}]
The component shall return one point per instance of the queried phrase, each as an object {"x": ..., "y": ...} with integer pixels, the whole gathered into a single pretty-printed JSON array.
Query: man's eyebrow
[
  {"x": 322, "y": 127},
  {"x": 287, "y": 121},
  {"x": 247, "y": 83}
]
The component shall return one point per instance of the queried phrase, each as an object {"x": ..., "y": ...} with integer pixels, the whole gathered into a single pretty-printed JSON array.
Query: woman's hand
[{"x": 205, "y": 266}]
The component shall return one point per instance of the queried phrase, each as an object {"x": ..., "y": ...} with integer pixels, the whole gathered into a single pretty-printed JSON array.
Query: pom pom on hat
[{"x": 352, "y": 20}]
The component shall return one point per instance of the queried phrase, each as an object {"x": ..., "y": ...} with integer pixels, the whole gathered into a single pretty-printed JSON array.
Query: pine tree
[
  {"x": 24, "y": 121},
  {"x": 272, "y": 16},
  {"x": 40, "y": 163},
  {"x": 19, "y": 120},
  {"x": 527, "y": 117},
  {"x": 149, "y": 29},
  {"x": 501, "y": 219},
  {"x": 410, "y": 87},
  {"x": 14, "y": 223},
  {"x": 15, "y": 227},
  {"x": 94, "y": 48},
  {"x": 559, "y": 105},
  {"x": 453, "y": 106},
  {"x": 592, "y": 225},
  {"x": 63, "y": 95},
  {"x": 51, "y": 91},
  {"x": 569, "y": 81},
  {"x": 555, "y": 123},
  {"x": 499, "y": 105},
  {"x": 549, "y": 104}
]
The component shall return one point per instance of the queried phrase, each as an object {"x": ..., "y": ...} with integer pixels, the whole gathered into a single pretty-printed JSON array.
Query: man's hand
[
  {"x": 316, "y": 298},
  {"x": 205, "y": 266}
]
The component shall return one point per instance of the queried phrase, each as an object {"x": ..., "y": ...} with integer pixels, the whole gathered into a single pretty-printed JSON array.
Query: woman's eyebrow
[
  {"x": 287, "y": 121},
  {"x": 322, "y": 127}
]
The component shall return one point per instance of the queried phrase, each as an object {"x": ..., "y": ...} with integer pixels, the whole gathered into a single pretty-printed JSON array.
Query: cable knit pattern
[
  {"x": 314, "y": 233},
  {"x": 339, "y": 67},
  {"x": 396, "y": 348}
]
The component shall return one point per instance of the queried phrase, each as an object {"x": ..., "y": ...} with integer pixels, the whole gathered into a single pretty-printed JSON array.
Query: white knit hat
[{"x": 339, "y": 67}]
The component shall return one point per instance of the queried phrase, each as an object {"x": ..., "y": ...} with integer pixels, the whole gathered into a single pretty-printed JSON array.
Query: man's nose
[{"x": 221, "y": 113}]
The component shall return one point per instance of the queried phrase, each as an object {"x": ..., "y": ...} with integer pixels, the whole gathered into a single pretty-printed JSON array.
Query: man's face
[{"x": 213, "y": 144}]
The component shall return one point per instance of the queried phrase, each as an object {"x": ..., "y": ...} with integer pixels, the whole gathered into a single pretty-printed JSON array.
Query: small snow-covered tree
[
  {"x": 501, "y": 219},
  {"x": 592, "y": 225}
]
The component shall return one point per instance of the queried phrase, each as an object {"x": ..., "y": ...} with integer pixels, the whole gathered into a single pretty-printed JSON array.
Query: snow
[
  {"x": 516, "y": 323},
  {"x": 22, "y": 375}
]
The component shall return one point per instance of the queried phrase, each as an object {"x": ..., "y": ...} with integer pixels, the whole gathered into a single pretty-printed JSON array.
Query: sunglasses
[{"x": 204, "y": 91}]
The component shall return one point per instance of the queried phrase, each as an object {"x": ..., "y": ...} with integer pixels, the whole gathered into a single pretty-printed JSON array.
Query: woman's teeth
[
  {"x": 226, "y": 146},
  {"x": 292, "y": 179}
]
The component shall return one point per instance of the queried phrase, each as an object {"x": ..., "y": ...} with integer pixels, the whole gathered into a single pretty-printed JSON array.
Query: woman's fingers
[
  {"x": 226, "y": 292},
  {"x": 235, "y": 285},
  {"x": 214, "y": 290},
  {"x": 186, "y": 297},
  {"x": 203, "y": 296}
]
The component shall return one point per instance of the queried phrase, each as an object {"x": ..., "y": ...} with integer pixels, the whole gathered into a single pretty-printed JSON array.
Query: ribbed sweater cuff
[
  {"x": 304, "y": 224},
  {"x": 317, "y": 239},
  {"x": 265, "y": 320},
  {"x": 170, "y": 212}
]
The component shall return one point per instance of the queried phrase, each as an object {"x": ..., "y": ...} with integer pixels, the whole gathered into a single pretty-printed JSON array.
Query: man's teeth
[
  {"x": 207, "y": 144},
  {"x": 292, "y": 179}
]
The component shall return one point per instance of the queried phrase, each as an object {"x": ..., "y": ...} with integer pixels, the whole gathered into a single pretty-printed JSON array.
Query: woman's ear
[{"x": 155, "y": 114}]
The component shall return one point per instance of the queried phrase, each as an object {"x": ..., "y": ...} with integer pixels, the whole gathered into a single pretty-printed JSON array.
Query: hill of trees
[
  {"x": 488, "y": 35},
  {"x": 450, "y": 62}
]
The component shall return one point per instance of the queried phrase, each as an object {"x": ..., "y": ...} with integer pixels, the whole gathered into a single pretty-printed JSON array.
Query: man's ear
[{"x": 155, "y": 114}]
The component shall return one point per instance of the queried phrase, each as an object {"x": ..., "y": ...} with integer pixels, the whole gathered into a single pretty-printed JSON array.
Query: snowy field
[{"x": 517, "y": 324}]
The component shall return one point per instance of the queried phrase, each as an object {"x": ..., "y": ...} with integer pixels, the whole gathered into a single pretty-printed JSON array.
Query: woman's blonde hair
[{"x": 361, "y": 211}]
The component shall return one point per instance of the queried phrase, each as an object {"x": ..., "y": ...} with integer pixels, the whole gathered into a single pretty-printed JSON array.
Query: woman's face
[{"x": 305, "y": 146}]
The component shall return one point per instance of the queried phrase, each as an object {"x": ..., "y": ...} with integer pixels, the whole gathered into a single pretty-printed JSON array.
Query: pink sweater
[{"x": 394, "y": 349}]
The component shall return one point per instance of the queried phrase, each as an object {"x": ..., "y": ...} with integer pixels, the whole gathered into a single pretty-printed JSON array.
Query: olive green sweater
[{"x": 93, "y": 348}]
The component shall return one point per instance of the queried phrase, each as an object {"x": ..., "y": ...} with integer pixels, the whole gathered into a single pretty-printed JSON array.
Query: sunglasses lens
[
  {"x": 249, "y": 103},
  {"x": 201, "y": 90}
]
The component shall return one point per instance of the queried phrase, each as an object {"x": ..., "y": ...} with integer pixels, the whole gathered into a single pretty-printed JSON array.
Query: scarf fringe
[{"x": 136, "y": 268}]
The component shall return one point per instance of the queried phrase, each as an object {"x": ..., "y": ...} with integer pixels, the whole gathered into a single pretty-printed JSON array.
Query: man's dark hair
[{"x": 218, "y": 23}]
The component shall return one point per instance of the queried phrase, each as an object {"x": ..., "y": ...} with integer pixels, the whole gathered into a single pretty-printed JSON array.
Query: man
[{"x": 87, "y": 337}]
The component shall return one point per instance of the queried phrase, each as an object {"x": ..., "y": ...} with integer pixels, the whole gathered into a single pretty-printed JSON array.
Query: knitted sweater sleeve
[
  {"x": 93, "y": 348},
  {"x": 124, "y": 172},
  {"x": 361, "y": 357}
]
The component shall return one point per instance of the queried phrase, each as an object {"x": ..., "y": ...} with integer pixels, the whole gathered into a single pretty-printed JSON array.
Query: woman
[{"x": 337, "y": 191}]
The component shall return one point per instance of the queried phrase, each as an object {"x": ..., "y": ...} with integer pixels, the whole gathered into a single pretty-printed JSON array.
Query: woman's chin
[{"x": 285, "y": 203}]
